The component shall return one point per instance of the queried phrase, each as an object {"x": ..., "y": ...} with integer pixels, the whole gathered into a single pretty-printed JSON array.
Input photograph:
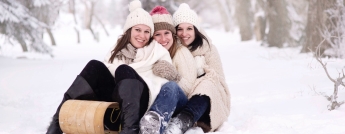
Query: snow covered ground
[{"x": 272, "y": 90}]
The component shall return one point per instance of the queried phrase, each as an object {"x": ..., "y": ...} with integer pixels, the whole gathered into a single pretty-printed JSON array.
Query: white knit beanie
[
  {"x": 186, "y": 15},
  {"x": 137, "y": 16}
]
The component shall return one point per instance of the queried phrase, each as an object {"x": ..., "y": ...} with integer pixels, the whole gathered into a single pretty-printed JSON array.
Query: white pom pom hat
[
  {"x": 137, "y": 16},
  {"x": 186, "y": 15}
]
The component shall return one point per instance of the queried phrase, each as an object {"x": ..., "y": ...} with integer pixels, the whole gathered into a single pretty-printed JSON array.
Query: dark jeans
[
  {"x": 199, "y": 107},
  {"x": 171, "y": 98}
]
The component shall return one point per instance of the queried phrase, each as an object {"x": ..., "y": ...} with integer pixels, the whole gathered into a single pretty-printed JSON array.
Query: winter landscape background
[{"x": 273, "y": 90}]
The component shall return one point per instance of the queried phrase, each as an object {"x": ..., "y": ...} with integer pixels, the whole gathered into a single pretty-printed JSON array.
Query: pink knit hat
[{"x": 162, "y": 19}]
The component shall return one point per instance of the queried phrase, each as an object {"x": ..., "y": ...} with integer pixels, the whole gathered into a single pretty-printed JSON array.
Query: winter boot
[
  {"x": 180, "y": 124},
  {"x": 150, "y": 123},
  {"x": 129, "y": 92},
  {"x": 112, "y": 119},
  {"x": 80, "y": 89}
]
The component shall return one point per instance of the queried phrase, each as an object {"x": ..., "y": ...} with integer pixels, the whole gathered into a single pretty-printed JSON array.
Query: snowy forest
[
  {"x": 283, "y": 59},
  {"x": 277, "y": 23}
]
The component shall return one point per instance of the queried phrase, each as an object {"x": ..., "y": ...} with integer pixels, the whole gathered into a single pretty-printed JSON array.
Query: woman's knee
[
  {"x": 170, "y": 87},
  {"x": 93, "y": 68},
  {"x": 125, "y": 72},
  {"x": 94, "y": 63}
]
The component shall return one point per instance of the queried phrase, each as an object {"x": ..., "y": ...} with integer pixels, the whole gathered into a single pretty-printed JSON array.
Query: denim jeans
[
  {"x": 171, "y": 98},
  {"x": 199, "y": 107}
]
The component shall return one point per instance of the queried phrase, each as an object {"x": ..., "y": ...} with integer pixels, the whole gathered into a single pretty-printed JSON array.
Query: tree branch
[{"x": 324, "y": 67}]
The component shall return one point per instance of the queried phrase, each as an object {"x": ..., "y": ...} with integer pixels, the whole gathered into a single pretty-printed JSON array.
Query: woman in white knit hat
[
  {"x": 209, "y": 99},
  {"x": 171, "y": 98},
  {"x": 125, "y": 76}
]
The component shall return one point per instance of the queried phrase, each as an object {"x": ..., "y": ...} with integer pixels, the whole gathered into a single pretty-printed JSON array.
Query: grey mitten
[{"x": 166, "y": 70}]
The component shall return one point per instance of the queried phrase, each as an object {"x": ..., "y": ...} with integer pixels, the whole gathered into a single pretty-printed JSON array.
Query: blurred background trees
[
  {"x": 24, "y": 22},
  {"x": 275, "y": 23}
]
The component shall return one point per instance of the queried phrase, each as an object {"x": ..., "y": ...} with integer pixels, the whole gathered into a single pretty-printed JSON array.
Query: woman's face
[
  {"x": 186, "y": 32},
  {"x": 164, "y": 37},
  {"x": 140, "y": 35}
]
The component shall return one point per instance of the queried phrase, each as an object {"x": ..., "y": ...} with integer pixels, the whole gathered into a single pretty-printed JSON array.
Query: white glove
[{"x": 200, "y": 64}]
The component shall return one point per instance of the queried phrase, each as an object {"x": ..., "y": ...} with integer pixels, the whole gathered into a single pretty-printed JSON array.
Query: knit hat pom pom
[
  {"x": 134, "y": 5},
  {"x": 159, "y": 10},
  {"x": 184, "y": 6}
]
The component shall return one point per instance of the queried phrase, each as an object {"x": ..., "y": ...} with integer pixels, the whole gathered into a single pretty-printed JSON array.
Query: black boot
[
  {"x": 80, "y": 89},
  {"x": 128, "y": 93},
  {"x": 182, "y": 122}
]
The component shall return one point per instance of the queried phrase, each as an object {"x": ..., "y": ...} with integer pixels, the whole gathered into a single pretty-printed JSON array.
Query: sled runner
[{"x": 84, "y": 117}]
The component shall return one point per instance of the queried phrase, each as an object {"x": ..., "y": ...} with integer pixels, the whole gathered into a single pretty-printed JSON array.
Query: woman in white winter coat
[{"x": 125, "y": 76}]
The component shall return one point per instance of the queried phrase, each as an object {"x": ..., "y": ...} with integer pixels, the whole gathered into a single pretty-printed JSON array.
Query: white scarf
[{"x": 143, "y": 62}]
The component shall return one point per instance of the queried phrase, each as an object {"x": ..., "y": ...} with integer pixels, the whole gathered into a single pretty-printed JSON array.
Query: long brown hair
[
  {"x": 172, "y": 50},
  {"x": 122, "y": 43}
]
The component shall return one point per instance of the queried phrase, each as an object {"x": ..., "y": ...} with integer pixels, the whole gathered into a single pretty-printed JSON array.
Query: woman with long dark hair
[{"x": 209, "y": 99}]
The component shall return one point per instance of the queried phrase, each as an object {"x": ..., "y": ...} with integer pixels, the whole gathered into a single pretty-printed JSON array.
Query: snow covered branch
[
  {"x": 25, "y": 21},
  {"x": 337, "y": 82}
]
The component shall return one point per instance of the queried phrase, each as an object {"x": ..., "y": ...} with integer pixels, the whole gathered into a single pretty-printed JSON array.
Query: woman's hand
[
  {"x": 200, "y": 64},
  {"x": 166, "y": 70}
]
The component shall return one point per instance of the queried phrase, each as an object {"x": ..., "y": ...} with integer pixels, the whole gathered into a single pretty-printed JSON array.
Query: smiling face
[
  {"x": 140, "y": 35},
  {"x": 186, "y": 32},
  {"x": 164, "y": 37}
]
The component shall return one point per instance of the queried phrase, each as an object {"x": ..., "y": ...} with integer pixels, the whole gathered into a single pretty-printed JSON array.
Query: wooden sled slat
[{"x": 84, "y": 117}]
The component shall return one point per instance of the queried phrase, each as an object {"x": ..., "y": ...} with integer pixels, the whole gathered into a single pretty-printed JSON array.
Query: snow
[{"x": 272, "y": 90}]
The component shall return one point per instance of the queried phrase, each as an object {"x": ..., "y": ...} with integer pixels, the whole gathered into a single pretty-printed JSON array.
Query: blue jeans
[
  {"x": 199, "y": 107},
  {"x": 170, "y": 99}
]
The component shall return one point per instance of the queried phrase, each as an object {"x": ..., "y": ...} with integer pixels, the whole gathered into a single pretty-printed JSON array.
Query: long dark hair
[
  {"x": 198, "y": 41},
  {"x": 122, "y": 43}
]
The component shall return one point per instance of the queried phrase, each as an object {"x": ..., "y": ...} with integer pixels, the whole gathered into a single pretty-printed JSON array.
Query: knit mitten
[
  {"x": 200, "y": 63},
  {"x": 166, "y": 70},
  {"x": 127, "y": 54}
]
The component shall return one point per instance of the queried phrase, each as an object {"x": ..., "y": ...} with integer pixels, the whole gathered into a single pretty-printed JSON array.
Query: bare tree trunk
[
  {"x": 72, "y": 10},
  {"x": 259, "y": 28},
  {"x": 22, "y": 44},
  {"x": 78, "y": 35},
  {"x": 104, "y": 28},
  {"x": 71, "y": 5},
  {"x": 244, "y": 19},
  {"x": 260, "y": 20},
  {"x": 52, "y": 39},
  {"x": 89, "y": 16},
  {"x": 278, "y": 23},
  {"x": 317, "y": 20},
  {"x": 224, "y": 12}
]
